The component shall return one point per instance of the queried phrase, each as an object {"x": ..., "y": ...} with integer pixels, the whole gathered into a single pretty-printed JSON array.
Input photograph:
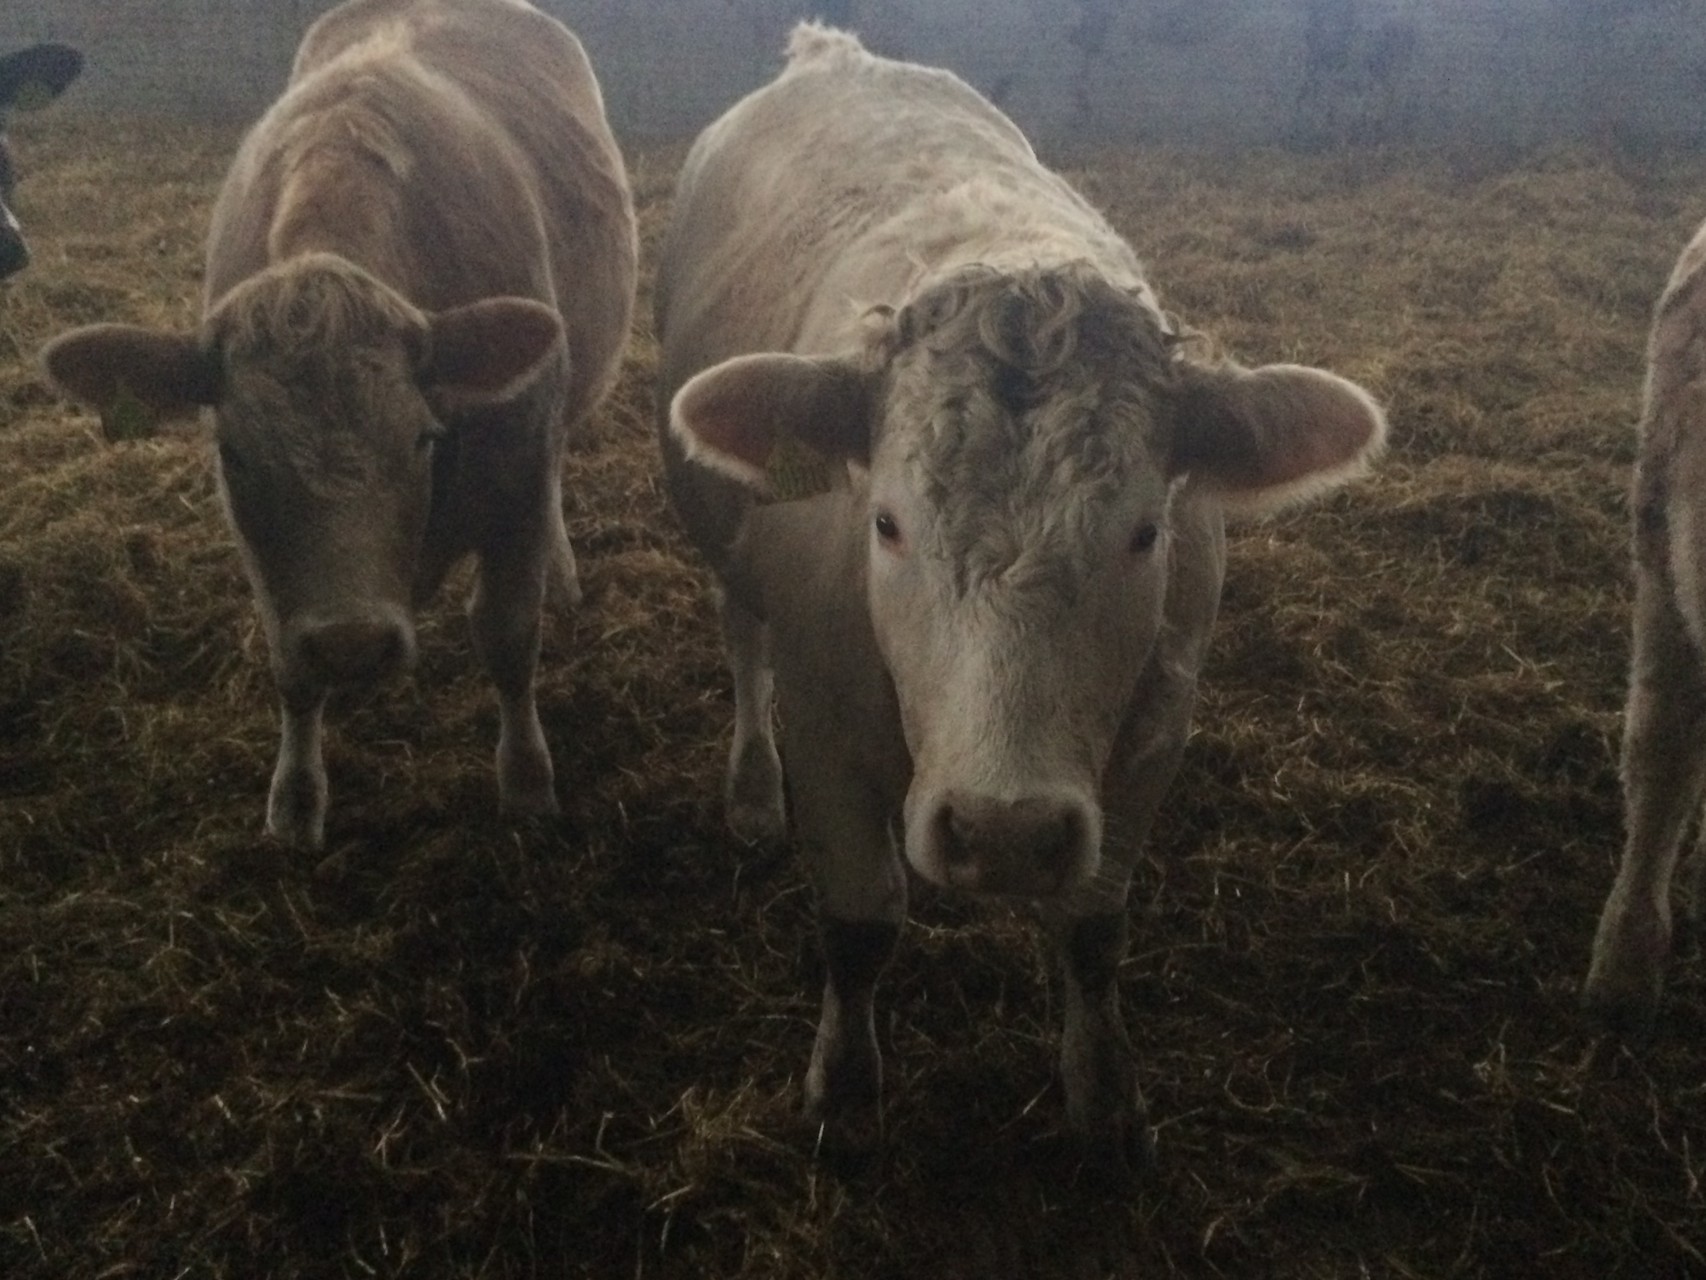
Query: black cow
[{"x": 28, "y": 79}]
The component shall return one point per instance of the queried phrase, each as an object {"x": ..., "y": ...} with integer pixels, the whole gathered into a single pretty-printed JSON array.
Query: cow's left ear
[
  {"x": 733, "y": 416},
  {"x": 35, "y": 76},
  {"x": 134, "y": 377},
  {"x": 489, "y": 350},
  {"x": 1262, "y": 438}
]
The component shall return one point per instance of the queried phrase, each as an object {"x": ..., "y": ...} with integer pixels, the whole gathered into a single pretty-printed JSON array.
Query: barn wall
[{"x": 1303, "y": 72}]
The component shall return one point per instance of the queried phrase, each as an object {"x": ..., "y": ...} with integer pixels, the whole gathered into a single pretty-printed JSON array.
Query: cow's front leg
[
  {"x": 1692, "y": 877},
  {"x": 563, "y": 584},
  {"x": 1664, "y": 765},
  {"x": 752, "y": 793},
  {"x": 504, "y": 614},
  {"x": 844, "y": 1082},
  {"x": 861, "y": 900},
  {"x": 296, "y": 803},
  {"x": 1098, "y": 1070}
]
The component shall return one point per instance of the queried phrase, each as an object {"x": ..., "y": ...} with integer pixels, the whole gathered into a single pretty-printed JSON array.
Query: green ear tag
[
  {"x": 798, "y": 471},
  {"x": 127, "y": 417}
]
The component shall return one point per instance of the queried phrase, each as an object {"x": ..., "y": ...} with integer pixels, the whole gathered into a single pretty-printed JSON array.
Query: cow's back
[
  {"x": 804, "y": 203},
  {"x": 511, "y": 178}
]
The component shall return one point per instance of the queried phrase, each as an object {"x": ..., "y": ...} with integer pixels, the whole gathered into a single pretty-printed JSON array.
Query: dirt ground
[{"x": 453, "y": 1047}]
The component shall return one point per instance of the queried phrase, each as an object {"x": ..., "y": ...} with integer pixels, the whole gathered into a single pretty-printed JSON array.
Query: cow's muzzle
[
  {"x": 359, "y": 649},
  {"x": 1034, "y": 846}
]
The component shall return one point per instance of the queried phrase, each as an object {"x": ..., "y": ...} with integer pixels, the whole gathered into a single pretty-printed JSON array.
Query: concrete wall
[{"x": 1212, "y": 72}]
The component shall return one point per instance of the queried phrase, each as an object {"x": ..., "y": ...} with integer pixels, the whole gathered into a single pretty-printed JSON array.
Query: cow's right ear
[
  {"x": 115, "y": 367},
  {"x": 733, "y": 416},
  {"x": 35, "y": 76}
]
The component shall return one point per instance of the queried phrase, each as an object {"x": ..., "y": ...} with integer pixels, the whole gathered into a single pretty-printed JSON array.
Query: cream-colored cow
[
  {"x": 985, "y": 638},
  {"x": 419, "y": 278}
]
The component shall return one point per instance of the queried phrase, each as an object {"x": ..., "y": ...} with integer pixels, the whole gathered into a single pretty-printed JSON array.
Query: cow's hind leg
[
  {"x": 296, "y": 804},
  {"x": 1664, "y": 765},
  {"x": 504, "y": 614},
  {"x": 752, "y": 793},
  {"x": 563, "y": 585}
]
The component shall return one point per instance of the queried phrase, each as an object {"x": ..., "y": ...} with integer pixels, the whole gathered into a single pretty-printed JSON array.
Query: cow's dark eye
[
  {"x": 1143, "y": 537},
  {"x": 428, "y": 438},
  {"x": 887, "y": 529}
]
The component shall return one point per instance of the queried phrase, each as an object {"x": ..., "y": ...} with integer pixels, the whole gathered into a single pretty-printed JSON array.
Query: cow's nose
[
  {"x": 354, "y": 652},
  {"x": 1034, "y": 845},
  {"x": 14, "y": 256}
]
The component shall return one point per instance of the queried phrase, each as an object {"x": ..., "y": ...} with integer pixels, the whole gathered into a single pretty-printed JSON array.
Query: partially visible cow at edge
[
  {"x": 420, "y": 276},
  {"x": 984, "y": 639},
  {"x": 1664, "y": 729},
  {"x": 29, "y": 78}
]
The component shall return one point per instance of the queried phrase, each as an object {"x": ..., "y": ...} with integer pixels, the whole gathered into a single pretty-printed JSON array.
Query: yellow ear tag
[
  {"x": 798, "y": 471},
  {"x": 127, "y": 417}
]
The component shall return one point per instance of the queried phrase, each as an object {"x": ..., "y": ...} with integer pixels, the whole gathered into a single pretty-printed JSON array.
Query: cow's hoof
[
  {"x": 530, "y": 804},
  {"x": 1626, "y": 1009},
  {"x": 849, "y": 1141},
  {"x": 756, "y": 824},
  {"x": 752, "y": 797},
  {"x": 296, "y": 809},
  {"x": 563, "y": 593},
  {"x": 1122, "y": 1152},
  {"x": 526, "y": 784}
]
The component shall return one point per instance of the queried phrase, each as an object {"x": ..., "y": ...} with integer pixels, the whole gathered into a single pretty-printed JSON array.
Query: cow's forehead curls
[
  {"x": 1017, "y": 382},
  {"x": 1022, "y": 406},
  {"x": 315, "y": 307},
  {"x": 1035, "y": 320}
]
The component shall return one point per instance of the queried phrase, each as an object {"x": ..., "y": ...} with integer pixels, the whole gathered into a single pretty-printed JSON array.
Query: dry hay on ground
[{"x": 453, "y": 1048}]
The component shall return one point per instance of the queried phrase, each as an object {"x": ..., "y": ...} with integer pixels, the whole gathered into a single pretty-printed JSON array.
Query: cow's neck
[{"x": 342, "y": 200}]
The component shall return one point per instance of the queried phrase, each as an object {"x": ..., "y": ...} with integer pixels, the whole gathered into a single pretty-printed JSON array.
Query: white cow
[
  {"x": 419, "y": 280},
  {"x": 984, "y": 639},
  {"x": 1664, "y": 730}
]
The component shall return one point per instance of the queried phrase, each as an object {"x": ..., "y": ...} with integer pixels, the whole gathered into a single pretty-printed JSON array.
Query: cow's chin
[{"x": 1041, "y": 844}]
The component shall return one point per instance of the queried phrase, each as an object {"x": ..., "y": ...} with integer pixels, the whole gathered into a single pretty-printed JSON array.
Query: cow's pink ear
[
  {"x": 488, "y": 350},
  {"x": 109, "y": 366},
  {"x": 1262, "y": 438},
  {"x": 732, "y": 416}
]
